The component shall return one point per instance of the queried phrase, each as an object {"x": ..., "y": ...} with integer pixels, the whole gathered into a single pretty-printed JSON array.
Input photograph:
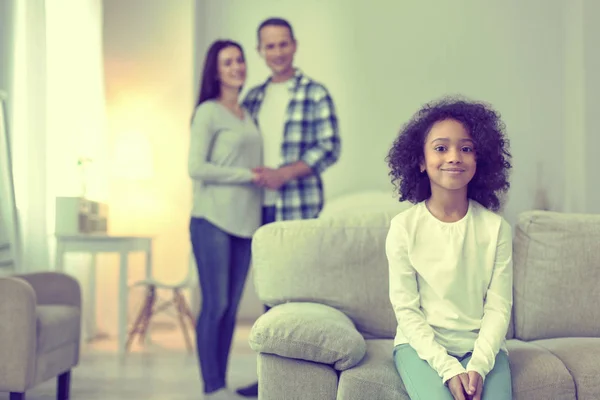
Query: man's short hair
[{"x": 275, "y": 22}]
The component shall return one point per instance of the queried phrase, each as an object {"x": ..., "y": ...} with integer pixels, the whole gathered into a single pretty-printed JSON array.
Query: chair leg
[
  {"x": 17, "y": 396},
  {"x": 149, "y": 312},
  {"x": 64, "y": 385},
  {"x": 143, "y": 315},
  {"x": 180, "y": 305}
]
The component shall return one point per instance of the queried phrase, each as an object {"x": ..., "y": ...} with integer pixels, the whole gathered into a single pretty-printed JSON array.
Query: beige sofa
[
  {"x": 330, "y": 332},
  {"x": 40, "y": 331}
]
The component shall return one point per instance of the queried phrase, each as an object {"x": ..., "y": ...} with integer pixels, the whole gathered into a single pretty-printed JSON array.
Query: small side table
[{"x": 102, "y": 243}]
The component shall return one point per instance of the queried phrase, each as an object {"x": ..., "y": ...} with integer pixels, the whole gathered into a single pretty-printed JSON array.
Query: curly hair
[{"x": 492, "y": 154}]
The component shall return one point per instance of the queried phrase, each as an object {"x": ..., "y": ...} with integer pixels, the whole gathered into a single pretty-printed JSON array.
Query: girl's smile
[{"x": 449, "y": 156}]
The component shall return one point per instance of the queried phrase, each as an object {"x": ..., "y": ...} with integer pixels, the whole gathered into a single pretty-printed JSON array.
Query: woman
[{"x": 225, "y": 146}]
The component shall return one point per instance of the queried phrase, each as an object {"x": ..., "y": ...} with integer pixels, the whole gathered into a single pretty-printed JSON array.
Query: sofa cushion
[
  {"x": 510, "y": 334},
  {"x": 339, "y": 262},
  {"x": 375, "y": 377},
  {"x": 556, "y": 270},
  {"x": 56, "y": 326},
  {"x": 538, "y": 374},
  {"x": 311, "y": 332},
  {"x": 283, "y": 378},
  {"x": 364, "y": 201},
  {"x": 581, "y": 357}
]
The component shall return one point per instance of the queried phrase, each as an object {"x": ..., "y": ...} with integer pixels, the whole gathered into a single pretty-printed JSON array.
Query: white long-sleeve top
[
  {"x": 223, "y": 150},
  {"x": 451, "y": 286}
]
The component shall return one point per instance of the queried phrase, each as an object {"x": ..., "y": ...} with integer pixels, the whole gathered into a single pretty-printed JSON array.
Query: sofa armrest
[
  {"x": 309, "y": 331},
  {"x": 282, "y": 378},
  {"x": 18, "y": 334},
  {"x": 54, "y": 288}
]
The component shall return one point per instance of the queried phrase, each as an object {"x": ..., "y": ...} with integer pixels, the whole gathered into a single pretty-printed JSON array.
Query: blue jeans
[
  {"x": 423, "y": 383},
  {"x": 268, "y": 216},
  {"x": 223, "y": 261}
]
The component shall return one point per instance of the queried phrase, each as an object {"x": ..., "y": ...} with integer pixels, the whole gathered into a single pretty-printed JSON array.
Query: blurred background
[{"x": 115, "y": 81}]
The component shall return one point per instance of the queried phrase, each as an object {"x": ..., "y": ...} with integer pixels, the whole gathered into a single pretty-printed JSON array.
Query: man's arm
[
  {"x": 275, "y": 178},
  {"x": 296, "y": 170},
  {"x": 317, "y": 158},
  {"x": 326, "y": 151}
]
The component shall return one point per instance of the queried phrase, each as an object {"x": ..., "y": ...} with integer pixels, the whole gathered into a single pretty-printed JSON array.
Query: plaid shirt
[{"x": 310, "y": 134}]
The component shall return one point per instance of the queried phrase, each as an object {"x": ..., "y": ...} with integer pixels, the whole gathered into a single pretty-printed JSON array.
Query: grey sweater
[{"x": 223, "y": 150}]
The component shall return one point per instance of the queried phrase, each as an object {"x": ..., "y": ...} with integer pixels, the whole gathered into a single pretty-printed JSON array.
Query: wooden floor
[{"x": 161, "y": 370}]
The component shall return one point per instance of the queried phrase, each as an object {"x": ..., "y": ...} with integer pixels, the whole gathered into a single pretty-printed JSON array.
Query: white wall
[
  {"x": 382, "y": 63},
  {"x": 148, "y": 59},
  {"x": 574, "y": 84},
  {"x": 75, "y": 99},
  {"x": 591, "y": 28},
  {"x": 7, "y": 16},
  {"x": 6, "y": 60}
]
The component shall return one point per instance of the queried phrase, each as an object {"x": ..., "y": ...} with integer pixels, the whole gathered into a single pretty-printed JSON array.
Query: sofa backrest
[
  {"x": 338, "y": 261},
  {"x": 556, "y": 275}
]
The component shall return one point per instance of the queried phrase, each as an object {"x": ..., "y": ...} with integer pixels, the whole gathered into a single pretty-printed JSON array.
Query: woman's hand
[
  {"x": 475, "y": 385},
  {"x": 458, "y": 386},
  {"x": 269, "y": 178}
]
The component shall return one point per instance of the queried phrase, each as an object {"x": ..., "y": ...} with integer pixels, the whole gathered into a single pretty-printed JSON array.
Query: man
[{"x": 299, "y": 125}]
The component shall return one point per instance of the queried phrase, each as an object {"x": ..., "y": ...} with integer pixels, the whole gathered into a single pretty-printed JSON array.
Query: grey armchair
[{"x": 40, "y": 330}]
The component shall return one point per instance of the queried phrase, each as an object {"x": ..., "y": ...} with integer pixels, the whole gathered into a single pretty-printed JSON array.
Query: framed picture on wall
[{"x": 9, "y": 234}]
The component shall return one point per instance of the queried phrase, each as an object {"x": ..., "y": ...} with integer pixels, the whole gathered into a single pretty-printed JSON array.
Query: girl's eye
[
  {"x": 439, "y": 148},
  {"x": 467, "y": 149}
]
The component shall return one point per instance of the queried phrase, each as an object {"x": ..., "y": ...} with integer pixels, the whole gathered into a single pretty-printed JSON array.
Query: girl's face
[
  {"x": 231, "y": 67},
  {"x": 449, "y": 156}
]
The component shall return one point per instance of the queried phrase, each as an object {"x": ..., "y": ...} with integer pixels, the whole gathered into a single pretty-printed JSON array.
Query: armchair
[{"x": 40, "y": 330}]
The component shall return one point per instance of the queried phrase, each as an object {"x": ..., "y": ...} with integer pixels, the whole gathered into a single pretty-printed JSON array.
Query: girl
[
  {"x": 225, "y": 146},
  {"x": 450, "y": 254}
]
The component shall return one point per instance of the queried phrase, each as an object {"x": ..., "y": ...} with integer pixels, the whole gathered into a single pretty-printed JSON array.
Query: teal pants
[{"x": 423, "y": 383}]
